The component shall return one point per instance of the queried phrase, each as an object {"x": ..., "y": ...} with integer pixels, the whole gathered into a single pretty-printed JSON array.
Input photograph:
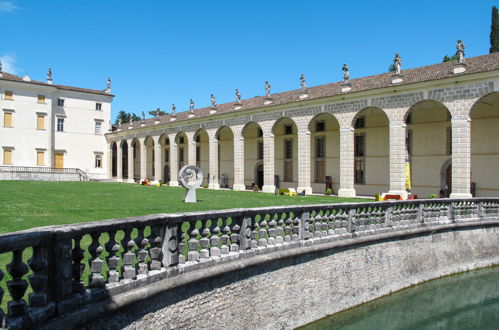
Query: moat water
[{"x": 464, "y": 301}]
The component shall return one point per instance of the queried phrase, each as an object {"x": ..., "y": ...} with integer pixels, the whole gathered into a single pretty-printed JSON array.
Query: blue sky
[{"x": 163, "y": 52}]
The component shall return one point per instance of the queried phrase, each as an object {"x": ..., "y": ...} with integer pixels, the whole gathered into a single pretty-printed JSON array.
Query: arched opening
[
  {"x": 225, "y": 139},
  {"x": 164, "y": 141},
  {"x": 286, "y": 153},
  {"x": 124, "y": 159},
  {"x": 371, "y": 151},
  {"x": 253, "y": 154},
  {"x": 429, "y": 148},
  {"x": 202, "y": 152},
  {"x": 136, "y": 160},
  {"x": 324, "y": 153},
  {"x": 114, "y": 160},
  {"x": 182, "y": 149},
  {"x": 485, "y": 146},
  {"x": 149, "y": 143}
]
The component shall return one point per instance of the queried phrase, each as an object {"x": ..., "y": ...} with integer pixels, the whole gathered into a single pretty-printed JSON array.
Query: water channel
[{"x": 465, "y": 301}]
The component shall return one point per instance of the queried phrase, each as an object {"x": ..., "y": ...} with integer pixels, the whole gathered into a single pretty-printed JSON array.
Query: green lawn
[{"x": 28, "y": 204}]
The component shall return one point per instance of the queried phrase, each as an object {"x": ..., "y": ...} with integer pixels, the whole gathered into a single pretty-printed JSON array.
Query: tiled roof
[
  {"x": 438, "y": 71},
  {"x": 11, "y": 77}
]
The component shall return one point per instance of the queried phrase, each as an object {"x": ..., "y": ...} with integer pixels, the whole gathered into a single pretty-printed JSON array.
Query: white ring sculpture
[{"x": 187, "y": 172}]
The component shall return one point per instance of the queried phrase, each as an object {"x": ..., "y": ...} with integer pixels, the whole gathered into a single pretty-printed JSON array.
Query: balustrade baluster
[
  {"x": 324, "y": 224},
  {"x": 272, "y": 229},
  {"x": 129, "y": 271},
  {"x": 254, "y": 233},
  {"x": 224, "y": 249},
  {"x": 234, "y": 236},
  {"x": 113, "y": 260},
  {"x": 17, "y": 286},
  {"x": 279, "y": 239},
  {"x": 204, "y": 242},
  {"x": 295, "y": 237},
  {"x": 38, "y": 263},
  {"x": 262, "y": 232},
  {"x": 193, "y": 243},
  {"x": 95, "y": 279},
  {"x": 142, "y": 254},
  {"x": 155, "y": 249},
  {"x": 215, "y": 239},
  {"x": 181, "y": 247},
  {"x": 288, "y": 230},
  {"x": 77, "y": 255}
]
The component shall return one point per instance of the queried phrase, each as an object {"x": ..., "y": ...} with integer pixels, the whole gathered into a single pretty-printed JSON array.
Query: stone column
[
  {"x": 304, "y": 162},
  {"x": 397, "y": 159},
  {"x": 268, "y": 162},
  {"x": 461, "y": 159},
  {"x": 110, "y": 161},
  {"x": 119, "y": 162},
  {"x": 347, "y": 188},
  {"x": 143, "y": 159},
  {"x": 157, "y": 159},
  {"x": 191, "y": 149},
  {"x": 173, "y": 161},
  {"x": 238, "y": 161},
  {"x": 213, "y": 159},
  {"x": 130, "y": 161}
]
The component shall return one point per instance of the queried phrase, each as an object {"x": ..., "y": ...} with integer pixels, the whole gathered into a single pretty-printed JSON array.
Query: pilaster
[
  {"x": 157, "y": 159},
  {"x": 397, "y": 159},
  {"x": 130, "y": 161},
  {"x": 119, "y": 162},
  {"x": 173, "y": 161},
  {"x": 143, "y": 159},
  {"x": 238, "y": 158},
  {"x": 461, "y": 159},
  {"x": 191, "y": 148},
  {"x": 213, "y": 159},
  {"x": 347, "y": 188},
  {"x": 304, "y": 162},
  {"x": 110, "y": 161},
  {"x": 268, "y": 162}
]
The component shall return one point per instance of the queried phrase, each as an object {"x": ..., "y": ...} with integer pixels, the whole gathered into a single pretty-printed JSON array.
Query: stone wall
[
  {"x": 284, "y": 291},
  {"x": 27, "y": 176}
]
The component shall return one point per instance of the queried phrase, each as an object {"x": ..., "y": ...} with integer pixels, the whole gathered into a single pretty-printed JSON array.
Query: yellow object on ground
[{"x": 287, "y": 192}]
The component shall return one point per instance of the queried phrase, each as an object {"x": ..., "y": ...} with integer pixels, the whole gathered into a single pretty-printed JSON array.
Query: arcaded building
[{"x": 427, "y": 130}]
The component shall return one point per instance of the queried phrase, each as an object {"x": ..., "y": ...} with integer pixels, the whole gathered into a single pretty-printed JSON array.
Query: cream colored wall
[
  {"x": 251, "y": 153},
  {"x": 204, "y": 160},
  {"x": 377, "y": 168},
  {"x": 485, "y": 150},
  {"x": 226, "y": 152},
  {"x": 429, "y": 127}
]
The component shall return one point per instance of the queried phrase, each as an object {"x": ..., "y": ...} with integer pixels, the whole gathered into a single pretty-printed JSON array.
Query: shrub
[
  {"x": 432, "y": 196},
  {"x": 328, "y": 192}
]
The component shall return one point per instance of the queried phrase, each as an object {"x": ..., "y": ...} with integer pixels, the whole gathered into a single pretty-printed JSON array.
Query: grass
[{"x": 28, "y": 204}]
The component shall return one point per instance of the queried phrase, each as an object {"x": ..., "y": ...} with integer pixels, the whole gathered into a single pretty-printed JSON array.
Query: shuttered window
[
  {"x": 8, "y": 95},
  {"x": 40, "y": 122},
  {"x": 7, "y": 157},
  {"x": 40, "y": 158},
  {"x": 41, "y": 98},
  {"x": 7, "y": 119}
]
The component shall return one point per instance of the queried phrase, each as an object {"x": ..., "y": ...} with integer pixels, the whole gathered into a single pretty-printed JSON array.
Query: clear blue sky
[{"x": 163, "y": 52}]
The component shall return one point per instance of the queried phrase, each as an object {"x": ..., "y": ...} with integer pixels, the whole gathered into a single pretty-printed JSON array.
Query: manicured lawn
[{"x": 26, "y": 204}]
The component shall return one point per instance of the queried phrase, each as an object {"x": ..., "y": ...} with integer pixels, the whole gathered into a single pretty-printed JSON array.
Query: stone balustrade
[{"x": 56, "y": 270}]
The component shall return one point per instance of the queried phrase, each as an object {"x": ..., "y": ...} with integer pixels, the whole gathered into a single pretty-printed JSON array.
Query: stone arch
[
  {"x": 371, "y": 151},
  {"x": 428, "y": 145},
  {"x": 285, "y": 133},
  {"x": 225, "y": 138},
  {"x": 484, "y": 115},
  {"x": 252, "y": 133},
  {"x": 324, "y": 131},
  {"x": 136, "y": 159},
  {"x": 124, "y": 158}
]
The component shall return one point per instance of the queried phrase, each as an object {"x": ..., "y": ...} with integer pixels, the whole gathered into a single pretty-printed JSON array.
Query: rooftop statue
[
  {"x": 143, "y": 116},
  {"x": 157, "y": 113},
  {"x": 460, "y": 51},
  {"x": 303, "y": 83},
  {"x": 267, "y": 88},
  {"x": 49, "y": 74},
  {"x": 238, "y": 96},
  {"x": 346, "y": 74},
  {"x": 213, "y": 101},
  {"x": 191, "y": 106},
  {"x": 109, "y": 83},
  {"x": 0, "y": 66},
  {"x": 397, "y": 62},
  {"x": 174, "y": 108}
]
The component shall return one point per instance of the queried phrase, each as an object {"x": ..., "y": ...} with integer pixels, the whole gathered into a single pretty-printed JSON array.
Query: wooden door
[{"x": 59, "y": 160}]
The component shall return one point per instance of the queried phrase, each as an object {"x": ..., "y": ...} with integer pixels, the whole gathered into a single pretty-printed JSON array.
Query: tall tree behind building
[{"x": 494, "y": 31}]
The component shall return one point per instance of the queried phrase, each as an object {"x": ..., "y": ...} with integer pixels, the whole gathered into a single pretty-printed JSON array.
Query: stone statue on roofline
[
  {"x": 267, "y": 89},
  {"x": 191, "y": 106},
  {"x": 397, "y": 63},
  {"x": 49, "y": 74},
  {"x": 174, "y": 109},
  {"x": 346, "y": 74},
  {"x": 238, "y": 96},
  {"x": 0, "y": 65},
  {"x": 143, "y": 116},
  {"x": 460, "y": 51},
  {"x": 213, "y": 101},
  {"x": 303, "y": 83},
  {"x": 157, "y": 113}
]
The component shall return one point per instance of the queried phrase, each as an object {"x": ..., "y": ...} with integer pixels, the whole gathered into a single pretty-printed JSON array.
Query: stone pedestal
[
  {"x": 459, "y": 68},
  {"x": 267, "y": 101},
  {"x": 238, "y": 106},
  {"x": 304, "y": 94},
  {"x": 397, "y": 78}
]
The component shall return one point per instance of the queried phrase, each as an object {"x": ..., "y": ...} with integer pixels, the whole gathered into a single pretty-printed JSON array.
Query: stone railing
[
  {"x": 12, "y": 172},
  {"x": 52, "y": 271}
]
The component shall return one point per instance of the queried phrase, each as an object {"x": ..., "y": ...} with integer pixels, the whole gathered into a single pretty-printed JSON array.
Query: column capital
[
  {"x": 397, "y": 124},
  {"x": 460, "y": 119},
  {"x": 347, "y": 129}
]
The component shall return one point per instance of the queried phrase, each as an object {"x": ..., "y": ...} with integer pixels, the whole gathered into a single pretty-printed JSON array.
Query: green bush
[
  {"x": 328, "y": 192},
  {"x": 432, "y": 196}
]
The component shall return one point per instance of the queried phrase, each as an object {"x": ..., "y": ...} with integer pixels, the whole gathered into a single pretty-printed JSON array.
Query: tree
[
  {"x": 494, "y": 31},
  {"x": 126, "y": 117},
  {"x": 451, "y": 58}
]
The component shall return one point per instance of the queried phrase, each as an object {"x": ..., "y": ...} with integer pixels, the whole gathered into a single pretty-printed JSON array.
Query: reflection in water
[{"x": 465, "y": 301}]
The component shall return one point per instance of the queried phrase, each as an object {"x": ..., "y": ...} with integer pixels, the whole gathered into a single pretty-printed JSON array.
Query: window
[
  {"x": 320, "y": 147},
  {"x": 259, "y": 151},
  {"x": 8, "y": 95},
  {"x": 60, "y": 102},
  {"x": 320, "y": 164},
  {"x": 167, "y": 155},
  {"x": 180, "y": 154},
  {"x": 60, "y": 124},
  {"x": 320, "y": 126},
  {"x": 7, "y": 119},
  {"x": 288, "y": 160},
  {"x": 360, "y": 169},
  {"x": 7, "y": 156},
  {"x": 288, "y": 130},
  {"x": 359, "y": 147},
  {"x": 98, "y": 127},
  {"x": 40, "y": 121},
  {"x": 360, "y": 122},
  {"x": 41, "y": 98},
  {"x": 181, "y": 140},
  {"x": 40, "y": 158},
  {"x": 198, "y": 154},
  {"x": 98, "y": 161},
  {"x": 198, "y": 138},
  {"x": 98, "y": 106}
]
